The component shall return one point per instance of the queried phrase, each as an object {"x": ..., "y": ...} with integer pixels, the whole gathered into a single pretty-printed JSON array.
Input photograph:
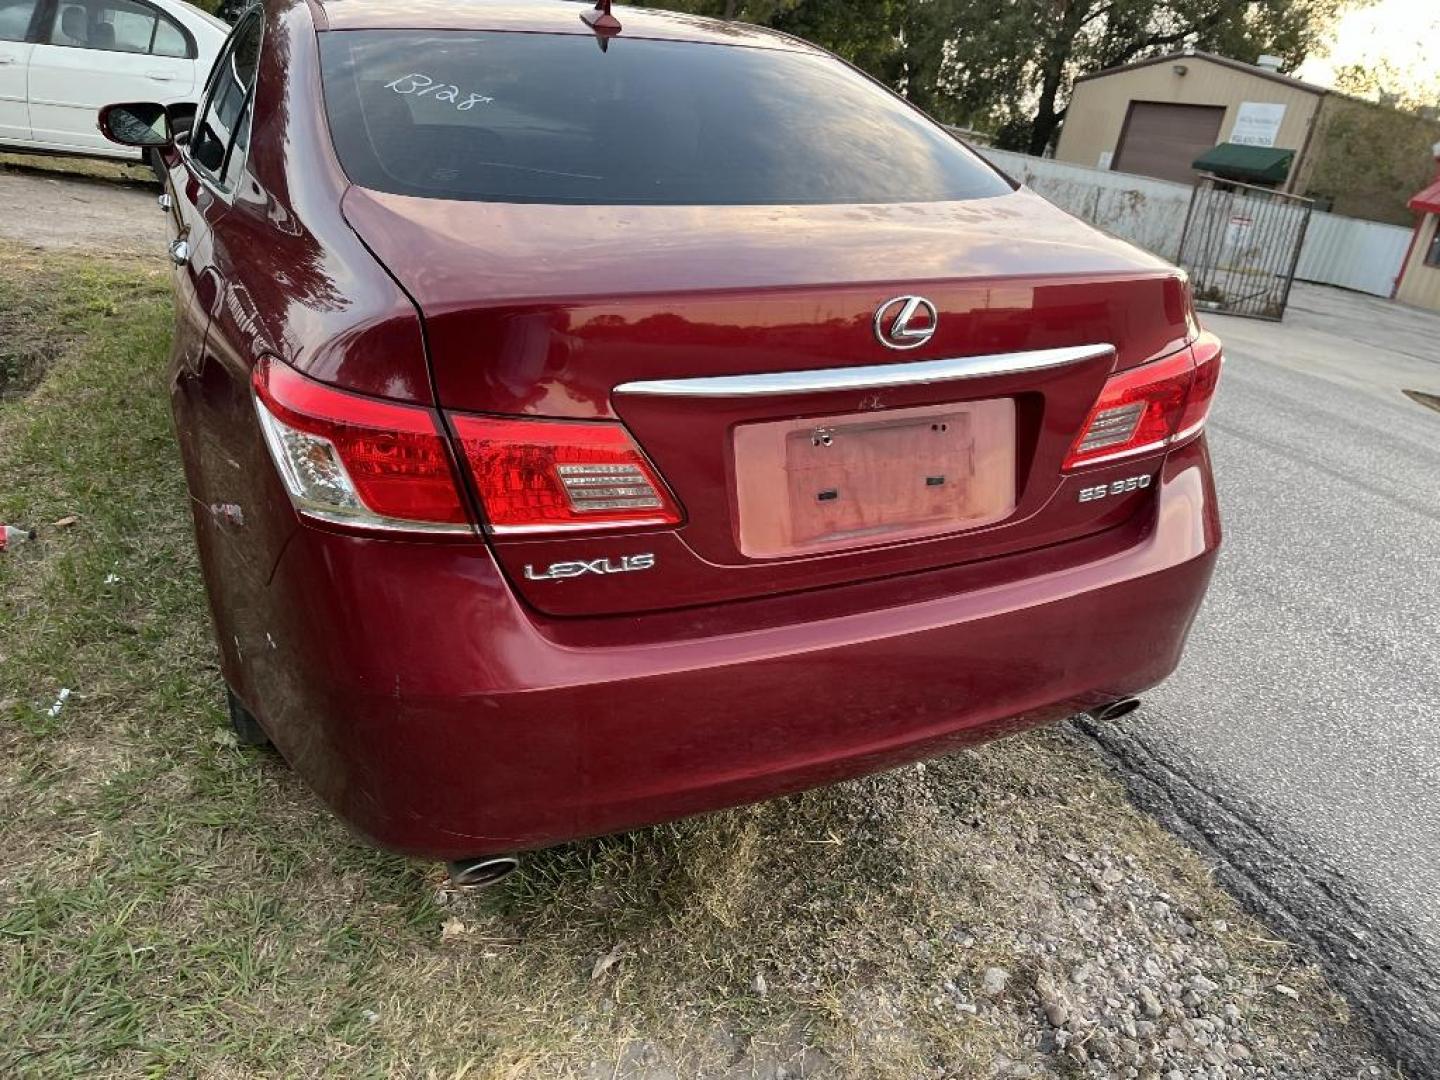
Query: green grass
[{"x": 173, "y": 905}]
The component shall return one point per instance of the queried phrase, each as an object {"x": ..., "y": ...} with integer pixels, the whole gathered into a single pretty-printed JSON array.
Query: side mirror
[{"x": 143, "y": 124}]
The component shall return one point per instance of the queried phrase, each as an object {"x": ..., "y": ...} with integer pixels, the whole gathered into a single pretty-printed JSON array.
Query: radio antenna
[{"x": 600, "y": 20}]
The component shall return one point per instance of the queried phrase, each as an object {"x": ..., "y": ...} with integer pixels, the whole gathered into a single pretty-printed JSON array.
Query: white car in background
[{"x": 60, "y": 60}]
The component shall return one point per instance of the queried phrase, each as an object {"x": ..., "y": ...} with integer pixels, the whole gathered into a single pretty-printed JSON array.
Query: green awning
[{"x": 1248, "y": 164}]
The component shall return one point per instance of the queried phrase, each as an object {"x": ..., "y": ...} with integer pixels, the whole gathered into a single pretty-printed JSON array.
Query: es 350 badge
[{"x": 1118, "y": 487}]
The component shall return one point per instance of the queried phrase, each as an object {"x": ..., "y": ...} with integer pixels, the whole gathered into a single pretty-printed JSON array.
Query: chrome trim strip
[
  {"x": 378, "y": 522},
  {"x": 1189, "y": 432},
  {"x": 578, "y": 526},
  {"x": 870, "y": 377},
  {"x": 1119, "y": 455}
]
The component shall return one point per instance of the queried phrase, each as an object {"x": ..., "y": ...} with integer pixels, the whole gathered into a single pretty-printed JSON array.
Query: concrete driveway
[
  {"x": 1300, "y": 741},
  {"x": 48, "y": 209}
]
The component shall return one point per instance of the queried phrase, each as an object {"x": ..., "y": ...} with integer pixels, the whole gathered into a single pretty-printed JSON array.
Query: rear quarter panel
[{"x": 297, "y": 284}]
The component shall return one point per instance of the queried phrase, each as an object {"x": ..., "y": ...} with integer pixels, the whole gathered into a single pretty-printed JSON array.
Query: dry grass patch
[{"x": 92, "y": 168}]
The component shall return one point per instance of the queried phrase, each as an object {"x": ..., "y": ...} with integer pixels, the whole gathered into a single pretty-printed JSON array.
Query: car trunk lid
[{"x": 739, "y": 346}]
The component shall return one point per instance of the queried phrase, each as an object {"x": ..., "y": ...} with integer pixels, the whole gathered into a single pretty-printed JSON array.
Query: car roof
[{"x": 546, "y": 17}]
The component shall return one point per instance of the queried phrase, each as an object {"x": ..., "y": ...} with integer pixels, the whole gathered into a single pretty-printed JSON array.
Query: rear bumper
[{"x": 441, "y": 717}]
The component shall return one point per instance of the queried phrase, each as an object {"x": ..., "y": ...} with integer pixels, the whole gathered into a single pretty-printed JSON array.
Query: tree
[
  {"x": 900, "y": 42},
  {"x": 1012, "y": 61},
  {"x": 868, "y": 33},
  {"x": 1387, "y": 83},
  {"x": 1370, "y": 157},
  {"x": 1006, "y": 66}
]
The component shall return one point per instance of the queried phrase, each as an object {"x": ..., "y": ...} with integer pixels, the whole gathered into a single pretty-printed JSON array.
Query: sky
[{"x": 1405, "y": 32}]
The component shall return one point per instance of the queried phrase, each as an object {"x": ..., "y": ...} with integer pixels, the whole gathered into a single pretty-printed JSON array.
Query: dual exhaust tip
[
  {"x": 483, "y": 871},
  {"x": 1113, "y": 711}
]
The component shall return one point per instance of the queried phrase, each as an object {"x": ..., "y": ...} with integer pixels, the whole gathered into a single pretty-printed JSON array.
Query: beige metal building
[
  {"x": 1157, "y": 116},
  {"x": 1420, "y": 279}
]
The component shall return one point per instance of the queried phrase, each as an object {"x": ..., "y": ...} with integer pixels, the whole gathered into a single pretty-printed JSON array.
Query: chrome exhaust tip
[
  {"x": 482, "y": 871},
  {"x": 1115, "y": 710}
]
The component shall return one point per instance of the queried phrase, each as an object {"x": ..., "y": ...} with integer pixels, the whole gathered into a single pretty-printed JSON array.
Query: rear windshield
[{"x": 551, "y": 118}]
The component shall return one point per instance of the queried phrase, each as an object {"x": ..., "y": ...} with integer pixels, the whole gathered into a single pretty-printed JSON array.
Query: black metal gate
[{"x": 1241, "y": 245}]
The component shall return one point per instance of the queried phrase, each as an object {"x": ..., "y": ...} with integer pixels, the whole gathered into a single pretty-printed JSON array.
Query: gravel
[
  {"x": 993, "y": 981},
  {"x": 1148, "y": 992},
  {"x": 1298, "y": 743}
]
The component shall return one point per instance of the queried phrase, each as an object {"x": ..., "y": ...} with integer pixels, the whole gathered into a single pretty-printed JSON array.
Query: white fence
[
  {"x": 1362, "y": 255},
  {"x": 1147, "y": 212}
]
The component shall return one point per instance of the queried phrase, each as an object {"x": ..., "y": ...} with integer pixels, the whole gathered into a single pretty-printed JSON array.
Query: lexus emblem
[{"x": 906, "y": 322}]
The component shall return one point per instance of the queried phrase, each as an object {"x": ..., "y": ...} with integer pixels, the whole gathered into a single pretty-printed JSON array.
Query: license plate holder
[{"x": 855, "y": 479}]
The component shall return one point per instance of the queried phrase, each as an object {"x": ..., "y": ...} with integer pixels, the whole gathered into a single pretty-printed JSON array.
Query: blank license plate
[{"x": 843, "y": 481}]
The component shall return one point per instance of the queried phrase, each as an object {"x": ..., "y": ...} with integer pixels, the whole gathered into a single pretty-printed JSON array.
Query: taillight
[
  {"x": 1150, "y": 407},
  {"x": 357, "y": 460},
  {"x": 1208, "y": 360},
  {"x": 540, "y": 475},
  {"x": 371, "y": 463}
]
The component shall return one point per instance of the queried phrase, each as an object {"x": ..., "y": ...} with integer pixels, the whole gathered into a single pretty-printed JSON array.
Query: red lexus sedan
[{"x": 592, "y": 419}]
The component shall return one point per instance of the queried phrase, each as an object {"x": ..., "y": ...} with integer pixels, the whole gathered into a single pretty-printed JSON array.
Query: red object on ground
[
  {"x": 539, "y": 533},
  {"x": 10, "y": 535}
]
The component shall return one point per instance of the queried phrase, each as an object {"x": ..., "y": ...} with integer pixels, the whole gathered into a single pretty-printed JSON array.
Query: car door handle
[
  {"x": 180, "y": 252},
  {"x": 160, "y": 76}
]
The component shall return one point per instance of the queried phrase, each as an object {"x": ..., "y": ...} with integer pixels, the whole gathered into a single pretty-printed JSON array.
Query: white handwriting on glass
[{"x": 420, "y": 85}]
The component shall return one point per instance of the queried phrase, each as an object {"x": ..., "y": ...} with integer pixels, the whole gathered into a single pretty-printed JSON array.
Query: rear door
[
  {"x": 211, "y": 392},
  {"x": 15, "y": 19},
  {"x": 94, "y": 52},
  {"x": 198, "y": 198}
]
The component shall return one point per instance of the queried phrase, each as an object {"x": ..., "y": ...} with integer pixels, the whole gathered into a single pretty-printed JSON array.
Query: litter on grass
[{"x": 10, "y": 535}]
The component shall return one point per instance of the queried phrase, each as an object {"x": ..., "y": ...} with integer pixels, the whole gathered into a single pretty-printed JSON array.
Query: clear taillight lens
[
  {"x": 1150, "y": 407},
  {"x": 542, "y": 475},
  {"x": 357, "y": 460}
]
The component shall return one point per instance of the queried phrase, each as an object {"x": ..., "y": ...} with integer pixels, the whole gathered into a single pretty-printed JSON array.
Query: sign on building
[{"x": 1257, "y": 123}]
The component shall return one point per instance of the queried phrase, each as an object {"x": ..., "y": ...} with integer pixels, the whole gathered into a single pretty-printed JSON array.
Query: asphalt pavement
[{"x": 1300, "y": 740}]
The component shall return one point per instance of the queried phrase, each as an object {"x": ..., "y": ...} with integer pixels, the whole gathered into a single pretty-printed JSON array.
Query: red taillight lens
[
  {"x": 1208, "y": 360},
  {"x": 538, "y": 475},
  {"x": 357, "y": 460},
  {"x": 1149, "y": 407}
]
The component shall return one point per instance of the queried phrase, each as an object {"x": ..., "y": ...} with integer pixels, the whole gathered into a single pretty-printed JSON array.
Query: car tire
[{"x": 248, "y": 731}]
